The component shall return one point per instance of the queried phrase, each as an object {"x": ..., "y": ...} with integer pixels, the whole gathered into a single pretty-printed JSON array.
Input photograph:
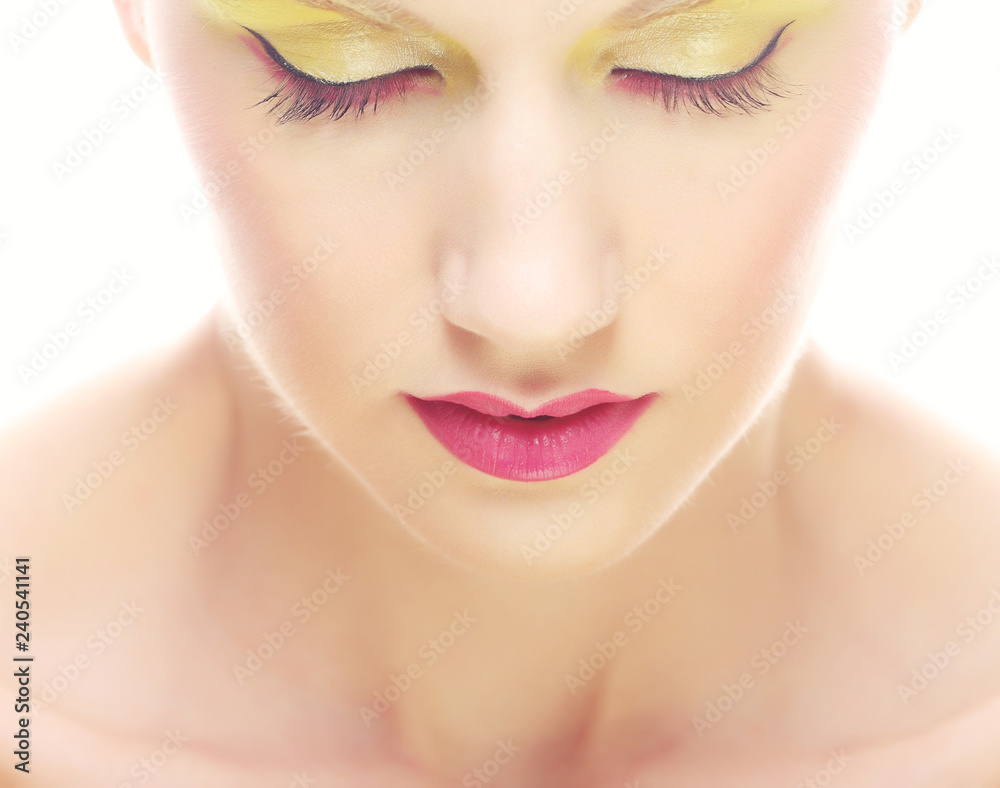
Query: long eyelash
[
  {"x": 300, "y": 97},
  {"x": 748, "y": 91}
]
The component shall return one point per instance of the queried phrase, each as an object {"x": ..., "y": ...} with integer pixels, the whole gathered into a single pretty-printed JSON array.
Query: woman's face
[{"x": 530, "y": 212}]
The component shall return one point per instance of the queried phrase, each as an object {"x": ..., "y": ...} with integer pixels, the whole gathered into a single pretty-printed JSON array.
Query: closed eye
[
  {"x": 749, "y": 90},
  {"x": 300, "y": 97}
]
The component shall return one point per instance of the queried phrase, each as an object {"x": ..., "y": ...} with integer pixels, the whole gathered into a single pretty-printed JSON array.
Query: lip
[{"x": 556, "y": 439}]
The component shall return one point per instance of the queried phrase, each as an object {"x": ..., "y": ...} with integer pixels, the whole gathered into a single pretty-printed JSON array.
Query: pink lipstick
[{"x": 556, "y": 439}]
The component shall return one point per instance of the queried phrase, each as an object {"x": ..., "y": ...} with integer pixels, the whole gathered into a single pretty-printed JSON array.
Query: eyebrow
[
  {"x": 391, "y": 13},
  {"x": 388, "y": 13}
]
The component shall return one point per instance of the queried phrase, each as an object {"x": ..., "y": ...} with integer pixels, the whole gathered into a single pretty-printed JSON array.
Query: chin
[{"x": 583, "y": 527}]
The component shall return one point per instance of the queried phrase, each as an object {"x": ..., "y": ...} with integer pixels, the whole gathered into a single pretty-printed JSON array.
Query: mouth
[{"x": 556, "y": 439}]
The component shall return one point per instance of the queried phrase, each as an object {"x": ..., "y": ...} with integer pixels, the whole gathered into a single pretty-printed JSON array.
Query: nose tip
[{"x": 532, "y": 297}]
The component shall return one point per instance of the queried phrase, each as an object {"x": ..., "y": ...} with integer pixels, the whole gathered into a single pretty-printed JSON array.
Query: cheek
[
  {"x": 743, "y": 204},
  {"x": 322, "y": 258},
  {"x": 347, "y": 265}
]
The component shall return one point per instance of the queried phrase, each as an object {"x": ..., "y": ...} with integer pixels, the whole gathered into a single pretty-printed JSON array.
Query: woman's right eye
[{"x": 300, "y": 97}]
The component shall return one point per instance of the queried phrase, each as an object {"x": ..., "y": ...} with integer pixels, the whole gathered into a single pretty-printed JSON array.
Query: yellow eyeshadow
[
  {"x": 337, "y": 46},
  {"x": 709, "y": 40}
]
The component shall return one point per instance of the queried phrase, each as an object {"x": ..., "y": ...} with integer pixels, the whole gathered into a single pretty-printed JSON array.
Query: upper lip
[{"x": 491, "y": 405}]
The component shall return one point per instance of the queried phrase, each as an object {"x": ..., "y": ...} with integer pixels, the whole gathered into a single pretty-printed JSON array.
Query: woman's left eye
[
  {"x": 300, "y": 97},
  {"x": 747, "y": 91}
]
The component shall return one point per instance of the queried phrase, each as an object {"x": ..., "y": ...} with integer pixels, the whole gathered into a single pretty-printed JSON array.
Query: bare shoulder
[
  {"x": 899, "y": 516},
  {"x": 882, "y": 463},
  {"x": 113, "y": 450}
]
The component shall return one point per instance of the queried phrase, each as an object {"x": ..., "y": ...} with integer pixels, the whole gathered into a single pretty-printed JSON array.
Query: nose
[{"x": 533, "y": 247}]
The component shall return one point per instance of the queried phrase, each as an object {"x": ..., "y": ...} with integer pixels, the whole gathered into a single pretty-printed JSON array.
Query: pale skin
[{"x": 782, "y": 614}]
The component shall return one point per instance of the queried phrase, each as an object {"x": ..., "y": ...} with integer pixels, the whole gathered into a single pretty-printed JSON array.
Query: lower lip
[{"x": 529, "y": 450}]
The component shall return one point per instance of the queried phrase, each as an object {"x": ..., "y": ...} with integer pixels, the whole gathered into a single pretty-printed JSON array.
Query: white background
[{"x": 60, "y": 242}]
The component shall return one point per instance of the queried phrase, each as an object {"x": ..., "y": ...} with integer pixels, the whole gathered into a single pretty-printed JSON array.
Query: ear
[
  {"x": 132, "y": 15},
  {"x": 909, "y": 9}
]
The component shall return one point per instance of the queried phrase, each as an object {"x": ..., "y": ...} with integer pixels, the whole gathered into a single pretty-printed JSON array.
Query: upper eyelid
[
  {"x": 272, "y": 52},
  {"x": 276, "y": 56},
  {"x": 764, "y": 55}
]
